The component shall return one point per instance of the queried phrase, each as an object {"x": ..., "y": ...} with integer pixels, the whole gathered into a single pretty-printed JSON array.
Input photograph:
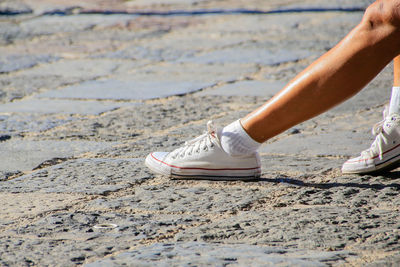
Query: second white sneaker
[
  {"x": 384, "y": 153},
  {"x": 203, "y": 157}
]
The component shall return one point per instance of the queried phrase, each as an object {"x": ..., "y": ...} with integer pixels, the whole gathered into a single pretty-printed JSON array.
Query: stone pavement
[{"x": 89, "y": 88}]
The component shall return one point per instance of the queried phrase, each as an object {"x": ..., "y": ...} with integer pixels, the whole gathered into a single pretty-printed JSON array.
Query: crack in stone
[{"x": 200, "y": 12}]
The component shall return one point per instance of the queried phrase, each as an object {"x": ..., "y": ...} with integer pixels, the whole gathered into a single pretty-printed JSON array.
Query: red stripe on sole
[
  {"x": 186, "y": 168},
  {"x": 360, "y": 160}
]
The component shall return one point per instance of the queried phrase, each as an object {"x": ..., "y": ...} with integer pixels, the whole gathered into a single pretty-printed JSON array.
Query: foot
[
  {"x": 203, "y": 157},
  {"x": 384, "y": 153}
]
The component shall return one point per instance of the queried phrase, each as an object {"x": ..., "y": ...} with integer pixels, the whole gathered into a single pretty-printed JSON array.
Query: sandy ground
[{"x": 85, "y": 95}]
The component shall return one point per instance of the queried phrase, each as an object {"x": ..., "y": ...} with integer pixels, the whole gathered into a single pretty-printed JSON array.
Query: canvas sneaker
[
  {"x": 384, "y": 153},
  {"x": 203, "y": 157}
]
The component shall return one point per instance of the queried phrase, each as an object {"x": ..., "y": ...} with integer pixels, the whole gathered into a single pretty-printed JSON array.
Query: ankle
[
  {"x": 394, "y": 106},
  {"x": 236, "y": 141}
]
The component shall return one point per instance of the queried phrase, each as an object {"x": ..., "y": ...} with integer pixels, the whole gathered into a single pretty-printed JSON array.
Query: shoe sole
[
  {"x": 214, "y": 177},
  {"x": 200, "y": 173},
  {"x": 386, "y": 166}
]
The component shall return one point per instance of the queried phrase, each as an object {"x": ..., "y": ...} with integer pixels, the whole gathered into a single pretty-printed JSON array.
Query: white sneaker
[
  {"x": 384, "y": 153},
  {"x": 203, "y": 157}
]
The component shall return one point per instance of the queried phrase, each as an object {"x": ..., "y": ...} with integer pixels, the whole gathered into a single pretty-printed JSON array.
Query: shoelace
[
  {"x": 377, "y": 131},
  {"x": 202, "y": 142},
  {"x": 376, "y": 147}
]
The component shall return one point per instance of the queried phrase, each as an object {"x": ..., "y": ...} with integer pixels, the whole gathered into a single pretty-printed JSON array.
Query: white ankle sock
[
  {"x": 236, "y": 142},
  {"x": 394, "y": 106}
]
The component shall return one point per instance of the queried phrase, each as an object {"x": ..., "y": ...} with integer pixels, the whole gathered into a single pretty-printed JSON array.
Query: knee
[{"x": 383, "y": 12}]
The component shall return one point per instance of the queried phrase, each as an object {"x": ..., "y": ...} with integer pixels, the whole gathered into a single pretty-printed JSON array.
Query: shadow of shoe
[{"x": 296, "y": 182}]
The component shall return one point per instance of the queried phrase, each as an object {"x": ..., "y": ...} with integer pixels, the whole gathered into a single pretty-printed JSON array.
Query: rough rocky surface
[{"x": 89, "y": 88}]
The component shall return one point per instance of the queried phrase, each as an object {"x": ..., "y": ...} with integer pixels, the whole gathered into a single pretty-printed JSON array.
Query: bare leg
[
  {"x": 336, "y": 76},
  {"x": 394, "y": 106},
  {"x": 384, "y": 152},
  {"x": 396, "y": 71}
]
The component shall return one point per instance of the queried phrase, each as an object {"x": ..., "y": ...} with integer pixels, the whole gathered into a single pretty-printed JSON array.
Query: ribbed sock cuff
[
  {"x": 394, "y": 106},
  {"x": 236, "y": 141}
]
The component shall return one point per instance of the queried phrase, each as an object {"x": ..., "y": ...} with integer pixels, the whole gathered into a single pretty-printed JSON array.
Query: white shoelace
[
  {"x": 380, "y": 139},
  {"x": 376, "y": 147},
  {"x": 202, "y": 142}
]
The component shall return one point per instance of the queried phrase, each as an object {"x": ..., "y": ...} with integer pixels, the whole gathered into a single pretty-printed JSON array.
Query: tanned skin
[{"x": 336, "y": 76}]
